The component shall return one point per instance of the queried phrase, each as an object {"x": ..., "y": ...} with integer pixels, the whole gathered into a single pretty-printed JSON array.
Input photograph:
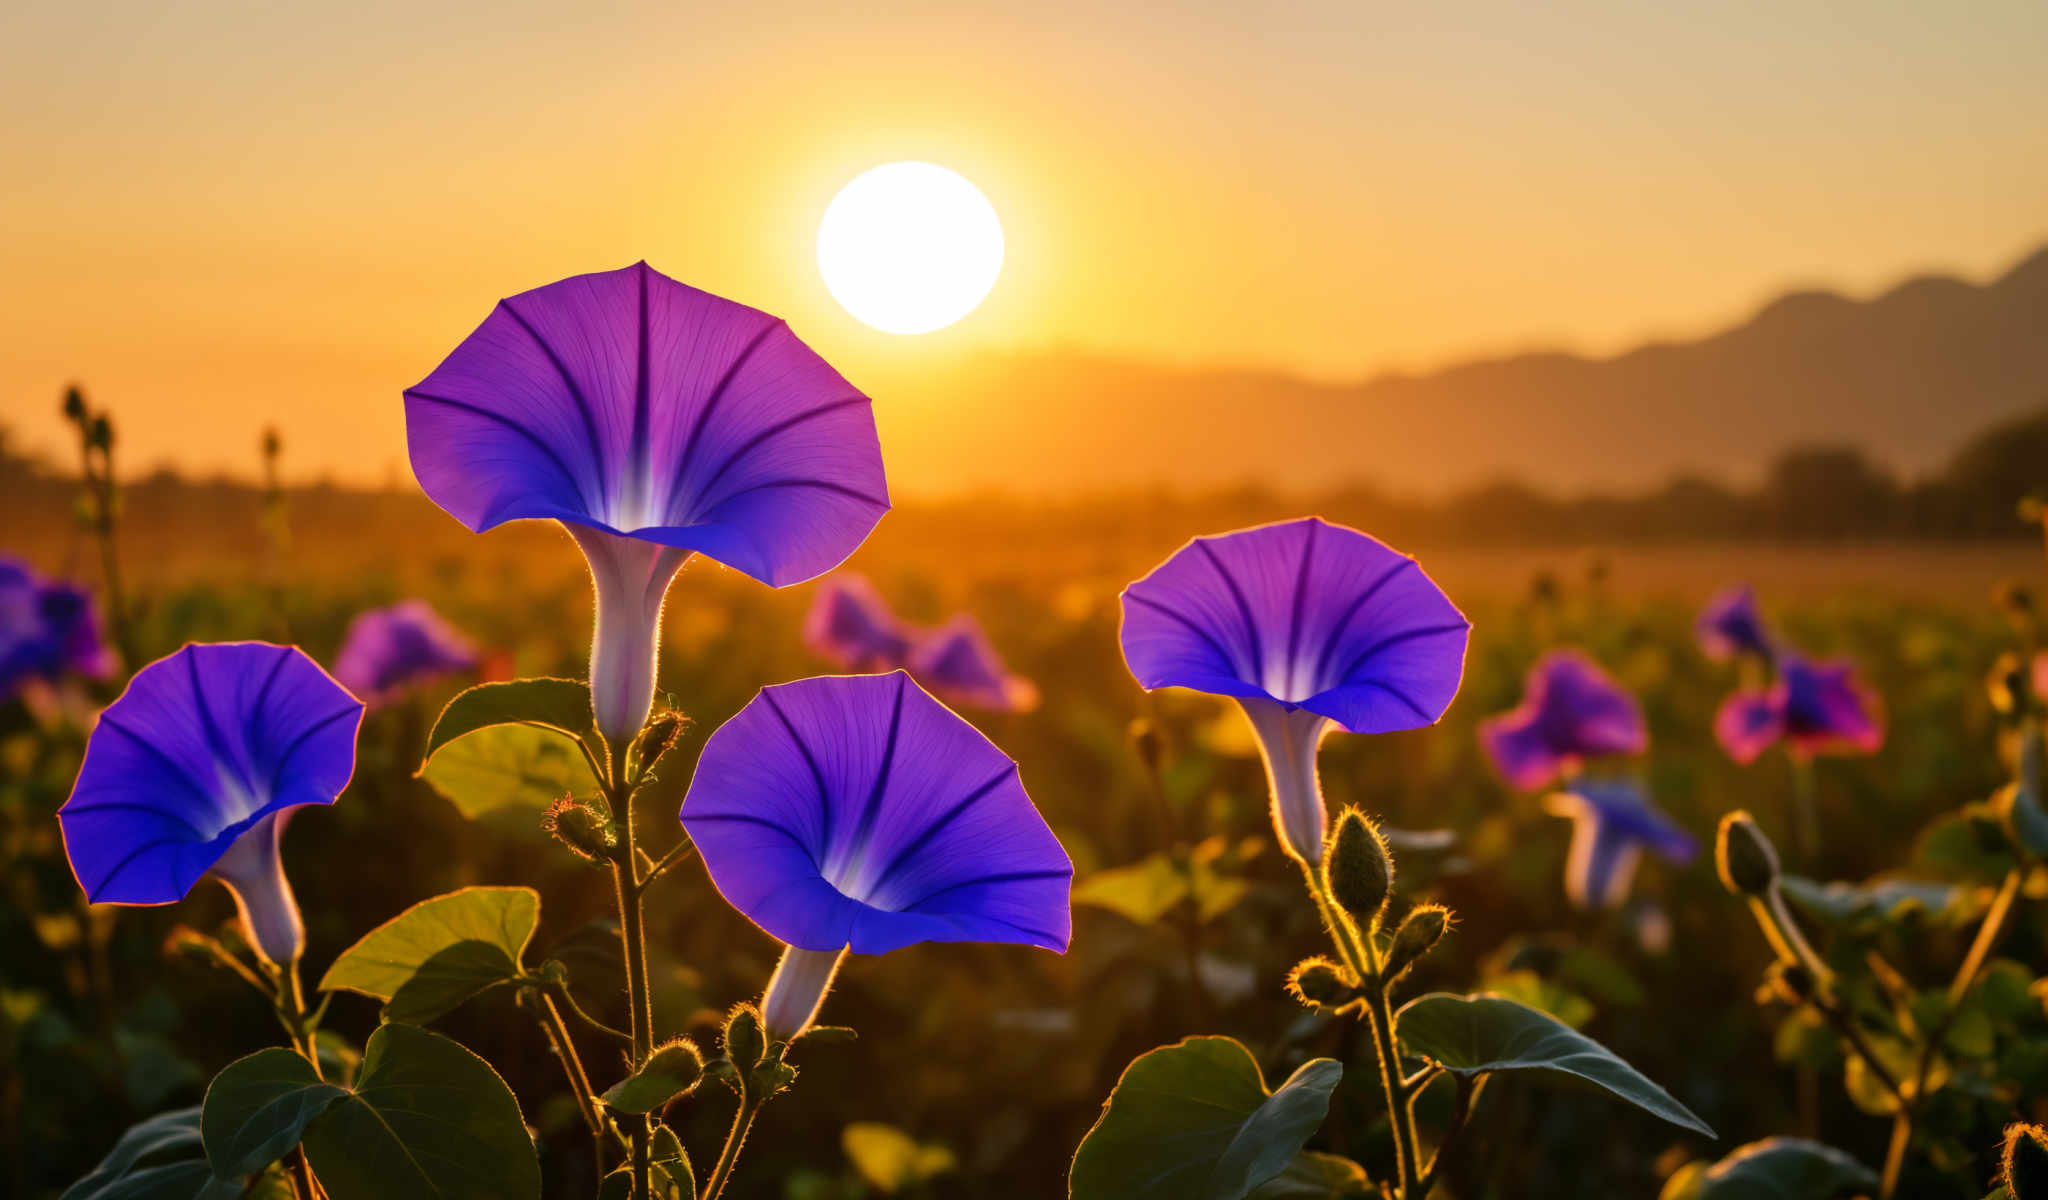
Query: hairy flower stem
[
  {"x": 729, "y": 1157},
  {"x": 628, "y": 884}
]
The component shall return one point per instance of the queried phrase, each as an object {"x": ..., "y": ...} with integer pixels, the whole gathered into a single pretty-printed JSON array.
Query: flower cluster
[
  {"x": 48, "y": 630},
  {"x": 850, "y": 625}
]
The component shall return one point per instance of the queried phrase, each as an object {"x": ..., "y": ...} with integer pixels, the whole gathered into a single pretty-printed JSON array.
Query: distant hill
[{"x": 1906, "y": 376}]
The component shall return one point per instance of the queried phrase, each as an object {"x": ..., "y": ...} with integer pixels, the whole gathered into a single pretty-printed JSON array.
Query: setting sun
[{"x": 910, "y": 247}]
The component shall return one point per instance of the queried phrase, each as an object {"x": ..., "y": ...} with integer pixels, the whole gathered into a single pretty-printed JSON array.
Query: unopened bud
[
  {"x": 273, "y": 442},
  {"x": 744, "y": 1043},
  {"x": 101, "y": 433},
  {"x": 1148, "y": 742},
  {"x": 1357, "y": 869},
  {"x": 74, "y": 404},
  {"x": 2024, "y": 1166},
  {"x": 1320, "y": 983},
  {"x": 1746, "y": 858},
  {"x": 655, "y": 738},
  {"x": 1419, "y": 933},
  {"x": 2008, "y": 684},
  {"x": 579, "y": 827},
  {"x": 1787, "y": 982}
]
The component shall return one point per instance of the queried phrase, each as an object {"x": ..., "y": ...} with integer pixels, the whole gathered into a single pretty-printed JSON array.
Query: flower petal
[
  {"x": 959, "y": 664},
  {"x": 859, "y": 811},
  {"x": 1748, "y": 723},
  {"x": 852, "y": 626},
  {"x": 388, "y": 649},
  {"x": 201, "y": 746},
  {"x": 637, "y": 405},
  {"x": 1305, "y": 613}
]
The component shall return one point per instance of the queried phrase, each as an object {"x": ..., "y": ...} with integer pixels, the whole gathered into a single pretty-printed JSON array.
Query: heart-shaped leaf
[
  {"x": 258, "y": 1107},
  {"x": 509, "y": 769},
  {"x": 1475, "y": 1035},
  {"x": 440, "y": 952},
  {"x": 1779, "y": 1168},
  {"x": 163, "y": 1158},
  {"x": 426, "y": 1118},
  {"x": 1314, "y": 1176},
  {"x": 561, "y": 705},
  {"x": 1194, "y": 1121}
]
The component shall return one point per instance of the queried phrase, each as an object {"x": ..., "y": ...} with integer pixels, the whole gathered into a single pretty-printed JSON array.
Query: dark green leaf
[
  {"x": 510, "y": 769},
  {"x": 562, "y": 705},
  {"x": 440, "y": 952},
  {"x": 1777, "y": 1168},
  {"x": 257, "y": 1108},
  {"x": 1880, "y": 900},
  {"x": 163, "y": 1158},
  {"x": 648, "y": 1089},
  {"x": 1194, "y": 1121},
  {"x": 1314, "y": 1176},
  {"x": 427, "y": 1118},
  {"x": 1475, "y": 1035}
]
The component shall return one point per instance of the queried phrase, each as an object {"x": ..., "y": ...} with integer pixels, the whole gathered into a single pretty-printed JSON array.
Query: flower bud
[
  {"x": 1787, "y": 982},
  {"x": 2008, "y": 685},
  {"x": 744, "y": 1043},
  {"x": 1149, "y": 743},
  {"x": 1747, "y": 860},
  {"x": 1319, "y": 983},
  {"x": 101, "y": 432},
  {"x": 579, "y": 827},
  {"x": 1357, "y": 869},
  {"x": 74, "y": 404},
  {"x": 2024, "y": 1167},
  {"x": 1420, "y": 931},
  {"x": 655, "y": 738}
]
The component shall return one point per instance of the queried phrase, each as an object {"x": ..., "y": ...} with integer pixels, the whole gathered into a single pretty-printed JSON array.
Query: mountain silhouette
[{"x": 1906, "y": 376}]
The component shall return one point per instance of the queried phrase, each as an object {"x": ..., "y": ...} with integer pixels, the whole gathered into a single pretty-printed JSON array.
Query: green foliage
[
  {"x": 1316, "y": 1176},
  {"x": 510, "y": 769},
  {"x": 440, "y": 952},
  {"x": 258, "y": 1107},
  {"x": 1779, "y": 1168},
  {"x": 1194, "y": 1121},
  {"x": 426, "y": 1118},
  {"x": 1479, "y": 1035},
  {"x": 891, "y": 1160},
  {"x": 670, "y": 1071},
  {"x": 162, "y": 1158},
  {"x": 562, "y": 705},
  {"x": 1146, "y": 891}
]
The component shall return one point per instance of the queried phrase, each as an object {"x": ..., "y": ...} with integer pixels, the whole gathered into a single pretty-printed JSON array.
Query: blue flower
[
  {"x": 1571, "y": 711},
  {"x": 1612, "y": 824},
  {"x": 959, "y": 664},
  {"x": 1307, "y": 625},
  {"x": 850, "y": 625},
  {"x": 653, "y": 421},
  {"x": 1730, "y": 625},
  {"x": 1815, "y": 707},
  {"x": 47, "y": 630},
  {"x": 857, "y": 813},
  {"x": 387, "y": 650},
  {"x": 196, "y": 768}
]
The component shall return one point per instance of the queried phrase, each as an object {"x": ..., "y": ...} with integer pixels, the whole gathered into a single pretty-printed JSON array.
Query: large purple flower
[
  {"x": 196, "y": 767},
  {"x": 654, "y": 421},
  {"x": 1730, "y": 625},
  {"x": 958, "y": 663},
  {"x": 857, "y": 813},
  {"x": 1571, "y": 711},
  {"x": 1305, "y": 624},
  {"x": 1817, "y": 708},
  {"x": 47, "y": 630},
  {"x": 851, "y": 626},
  {"x": 387, "y": 650},
  {"x": 1612, "y": 824}
]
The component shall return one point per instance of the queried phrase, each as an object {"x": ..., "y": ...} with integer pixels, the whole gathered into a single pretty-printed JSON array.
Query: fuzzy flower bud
[
  {"x": 1787, "y": 982},
  {"x": 2024, "y": 1165},
  {"x": 579, "y": 827},
  {"x": 1319, "y": 983},
  {"x": 1357, "y": 869},
  {"x": 744, "y": 1043},
  {"x": 1420, "y": 931},
  {"x": 74, "y": 404},
  {"x": 655, "y": 738},
  {"x": 1747, "y": 860}
]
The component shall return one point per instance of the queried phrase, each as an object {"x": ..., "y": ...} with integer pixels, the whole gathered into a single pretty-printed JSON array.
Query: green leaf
[
  {"x": 1194, "y": 1121},
  {"x": 1476, "y": 1035},
  {"x": 1880, "y": 900},
  {"x": 1315, "y": 1176},
  {"x": 257, "y": 1108},
  {"x": 506, "y": 768},
  {"x": 1527, "y": 987},
  {"x": 1778, "y": 1168},
  {"x": 561, "y": 705},
  {"x": 427, "y": 1118},
  {"x": 440, "y": 952},
  {"x": 163, "y": 1158},
  {"x": 891, "y": 1159},
  {"x": 1142, "y": 892},
  {"x": 648, "y": 1089}
]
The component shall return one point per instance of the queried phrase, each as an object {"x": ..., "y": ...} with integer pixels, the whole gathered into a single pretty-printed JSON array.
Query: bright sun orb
[{"x": 910, "y": 247}]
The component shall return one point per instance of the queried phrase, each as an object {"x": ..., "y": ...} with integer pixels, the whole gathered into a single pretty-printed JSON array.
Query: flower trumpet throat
[
  {"x": 797, "y": 991},
  {"x": 1288, "y": 740},
  {"x": 632, "y": 578},
  {"x": 253, "y": 872}
]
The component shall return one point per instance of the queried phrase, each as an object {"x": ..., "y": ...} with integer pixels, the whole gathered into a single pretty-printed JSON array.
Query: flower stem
[
  {"x": 729, "y": 1156},
  {"x": 628, "y": 884}
]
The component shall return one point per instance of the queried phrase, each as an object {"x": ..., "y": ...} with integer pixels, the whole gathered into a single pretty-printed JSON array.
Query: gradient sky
[{"x": 222, "y": 215}]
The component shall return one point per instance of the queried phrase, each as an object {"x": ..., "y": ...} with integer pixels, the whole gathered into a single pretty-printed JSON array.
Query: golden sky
[{"x": 226, "y": 215}]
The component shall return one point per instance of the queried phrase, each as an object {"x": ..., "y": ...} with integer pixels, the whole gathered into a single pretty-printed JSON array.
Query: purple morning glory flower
[
  {"x": 653, "y": 420},
  {"x": 1731, "y": 626},
  {"x": 47, "y": 630},
  {"x": 851, "y": 626},
  {"x": 857, "y": 813},
  {"x": 387, "y": 650},
  {"x": 1612, "y": 824},
  {"x": 196, "y": 767},
  {"x": 1307, "y": 625},
  {"x": 1817, "y": 708},
  {"x": 1571, "y": 711},
  {"x": 958, "y": 663}
]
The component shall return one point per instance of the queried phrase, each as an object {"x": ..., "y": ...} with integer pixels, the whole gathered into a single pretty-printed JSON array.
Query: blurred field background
[{"x": 1002, "y": 1055}]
